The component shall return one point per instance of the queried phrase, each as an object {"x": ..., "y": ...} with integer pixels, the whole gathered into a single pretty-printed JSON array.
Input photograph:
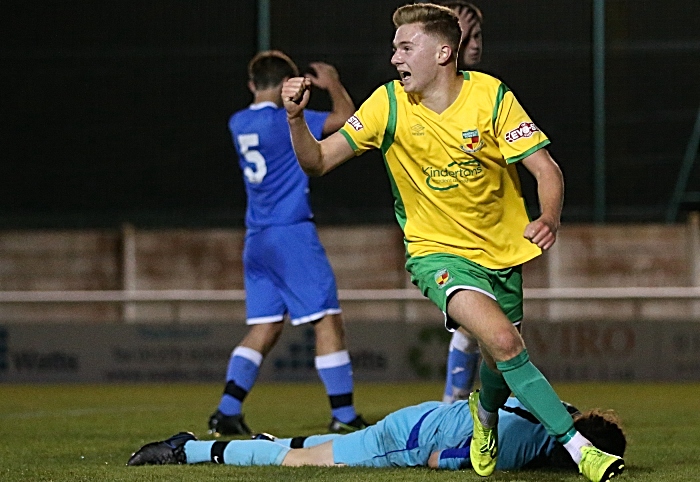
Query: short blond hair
[{"x": 435, "y": 19}]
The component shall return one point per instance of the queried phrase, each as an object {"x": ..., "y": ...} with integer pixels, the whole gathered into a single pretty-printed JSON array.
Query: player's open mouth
[{"x": 404, "y": 76}]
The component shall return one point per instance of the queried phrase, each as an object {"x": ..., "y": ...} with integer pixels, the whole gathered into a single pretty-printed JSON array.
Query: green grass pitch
[{"x": 87, "y": 432}]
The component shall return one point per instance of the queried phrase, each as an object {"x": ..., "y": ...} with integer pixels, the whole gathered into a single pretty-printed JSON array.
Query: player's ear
[
  {"x": 251, "y": 86},
  {"x": 445, "y": 55}
]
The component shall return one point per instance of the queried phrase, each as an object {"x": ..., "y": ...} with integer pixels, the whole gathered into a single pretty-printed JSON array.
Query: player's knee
[
  {"x": 330, "y": 326},
  {"x": 506, "y": 344},
  {"x": 262, "y": 337}
]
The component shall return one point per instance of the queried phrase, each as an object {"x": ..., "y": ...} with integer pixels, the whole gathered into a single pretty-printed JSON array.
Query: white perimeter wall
[{"x": 364, "y": 257}]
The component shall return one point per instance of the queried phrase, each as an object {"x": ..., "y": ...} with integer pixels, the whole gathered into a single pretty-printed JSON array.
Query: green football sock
[
  {"x": 494, "y": 390},
  {"x": 534, "y": 391}
]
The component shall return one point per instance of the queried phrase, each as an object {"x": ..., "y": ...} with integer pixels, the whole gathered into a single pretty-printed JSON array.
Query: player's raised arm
[
  {"x": 550, "y": 191},
  {"x": 315, "y": 158},
  {"x": 326, "y": 77}
]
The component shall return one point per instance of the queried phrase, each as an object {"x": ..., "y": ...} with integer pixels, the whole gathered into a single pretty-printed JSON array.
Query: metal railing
[
  {"x": 405, "y": 294},
  {"x": 175, "y": 300}
]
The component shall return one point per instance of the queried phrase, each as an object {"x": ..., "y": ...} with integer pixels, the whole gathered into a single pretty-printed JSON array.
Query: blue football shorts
[{"x": 286, "y": 271}]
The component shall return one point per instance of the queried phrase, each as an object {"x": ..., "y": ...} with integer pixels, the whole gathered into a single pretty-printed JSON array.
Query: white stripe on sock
[
  {"x": 332, "y": 360},
  {"x": 249, "y": 354}
]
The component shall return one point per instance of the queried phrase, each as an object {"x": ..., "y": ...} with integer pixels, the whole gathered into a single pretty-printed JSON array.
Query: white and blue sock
[
  {"x": 243, "y": 368},
  {"x": 462, "y": 365},
  {"x": 235, "y": 452},
  {"x": 335, "y": 371}
]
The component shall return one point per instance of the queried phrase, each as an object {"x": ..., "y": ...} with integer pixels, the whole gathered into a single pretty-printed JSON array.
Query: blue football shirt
[{"x": 276, "y": 187}]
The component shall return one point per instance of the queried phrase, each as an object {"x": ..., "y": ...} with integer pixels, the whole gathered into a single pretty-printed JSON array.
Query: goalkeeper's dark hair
[
  {"x": 269, "y": 69},
  {"x": 604, "y": 430}
]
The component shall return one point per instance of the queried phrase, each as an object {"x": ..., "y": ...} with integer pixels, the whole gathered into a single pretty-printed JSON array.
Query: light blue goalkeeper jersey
[
  {"x": 522, "y": 439},
  {"x": 407, "y": 437}
]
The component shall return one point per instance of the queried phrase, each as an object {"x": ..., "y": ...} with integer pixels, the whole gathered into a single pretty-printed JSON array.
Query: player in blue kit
[
  {"x": 287, "y": 273},
  {"x": 430, "y": 434}
]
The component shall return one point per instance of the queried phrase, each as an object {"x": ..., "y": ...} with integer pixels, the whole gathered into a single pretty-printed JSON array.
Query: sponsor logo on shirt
[
  {"x": 355, "y": 123},
  {"x": 525, "y": 129},
  {"x": 452, "y": 175},
  {"x": 417, "y": 130},
  {"x": 472, "y": 141},
  {"x": 442, "y": 277}
]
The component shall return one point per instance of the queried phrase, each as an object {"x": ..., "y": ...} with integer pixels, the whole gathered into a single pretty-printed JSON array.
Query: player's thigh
[
  {"x": 485, "y": 320},
  {"x": 262, "y": 337},
  {"x": 264, "y": 302},
  {"x": 304, "y": 275},
  {"x": 508, "y": 288},
  {"x": 439, "y": 276},
  {"x": 391, "y": 442},
  {"x": 364, "y": 448}
]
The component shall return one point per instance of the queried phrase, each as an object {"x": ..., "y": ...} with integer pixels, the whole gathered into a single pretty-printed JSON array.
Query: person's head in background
[
  {"x": 267, "y": 71},
  {"x": 470, "y": 20}
]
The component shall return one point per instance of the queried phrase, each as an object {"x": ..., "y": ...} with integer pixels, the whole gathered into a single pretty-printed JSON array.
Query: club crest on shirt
[
  {"x": 472, "y": 141},
  {"x": 525, "y": 129},
  {"x": 442, "y": 277}
]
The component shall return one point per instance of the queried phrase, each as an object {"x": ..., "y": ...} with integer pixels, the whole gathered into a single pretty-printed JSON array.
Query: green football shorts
[{"x": 439, "y": 276}]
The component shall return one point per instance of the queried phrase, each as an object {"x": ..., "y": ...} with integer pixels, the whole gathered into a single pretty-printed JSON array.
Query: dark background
[{"x": 117, "y": 112}]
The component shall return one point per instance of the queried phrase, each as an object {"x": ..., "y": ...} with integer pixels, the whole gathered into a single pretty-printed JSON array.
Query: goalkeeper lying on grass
[{"x": 429, "y": 434}]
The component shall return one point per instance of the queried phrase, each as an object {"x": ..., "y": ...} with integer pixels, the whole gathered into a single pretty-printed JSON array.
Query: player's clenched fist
[
  {"x": 541, "y": 233},
  {"x": 295, "y": 95}
]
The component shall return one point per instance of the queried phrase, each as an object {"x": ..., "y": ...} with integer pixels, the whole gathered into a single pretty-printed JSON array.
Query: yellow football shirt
[{"x": 455, "y": 185}]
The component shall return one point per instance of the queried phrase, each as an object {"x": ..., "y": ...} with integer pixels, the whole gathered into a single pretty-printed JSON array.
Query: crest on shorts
[
  {"x": 472, "y": 141},
  {"x": 442, "y": 277}
]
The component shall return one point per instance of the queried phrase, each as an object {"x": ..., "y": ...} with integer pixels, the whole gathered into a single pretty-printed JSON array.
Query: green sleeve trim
[
  {"x": 522, "y": 156},
  {"x": 389, "y": 133},
  {"x": 502, "y": 90},
  {"x": 390, "y": 129},
  {"x": 349, "y": 139},
  {"x": 399, "y": 208}
]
